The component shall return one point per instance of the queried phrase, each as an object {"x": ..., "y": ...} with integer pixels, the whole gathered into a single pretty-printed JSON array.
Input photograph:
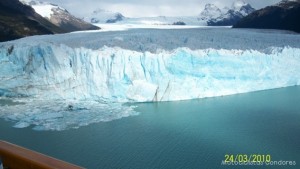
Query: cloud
[{"x": 138, "y": 8}]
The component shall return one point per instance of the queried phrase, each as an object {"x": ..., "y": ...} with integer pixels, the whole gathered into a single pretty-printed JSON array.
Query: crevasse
[{"x": 121, "y": 75}]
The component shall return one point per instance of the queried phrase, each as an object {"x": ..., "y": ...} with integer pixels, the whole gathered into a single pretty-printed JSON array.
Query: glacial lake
[{"x": 179, "y": 135}]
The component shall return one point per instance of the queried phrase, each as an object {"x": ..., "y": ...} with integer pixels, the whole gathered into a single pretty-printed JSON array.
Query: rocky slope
[
  {"x": 284, "y": 15},
  {"x": 18, "y": 20},
  {"x": 59, "y": 16}
]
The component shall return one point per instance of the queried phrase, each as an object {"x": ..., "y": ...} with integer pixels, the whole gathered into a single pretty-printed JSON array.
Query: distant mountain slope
[
  {"x": 165, "y": 20},
  {"x": 209, "y": 12},
  {"x": 18, "y": 20},
  {"x": 284, "y": 15},
  {"x": 59, "y": 16},
  {"x": 211, "y": 16},
  {"x": 103, "y": 16},
  {"x": 215, "y": 16}
]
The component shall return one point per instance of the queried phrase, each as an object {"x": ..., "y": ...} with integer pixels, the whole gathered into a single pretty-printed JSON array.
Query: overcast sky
[{"x": 138, "y": 8}]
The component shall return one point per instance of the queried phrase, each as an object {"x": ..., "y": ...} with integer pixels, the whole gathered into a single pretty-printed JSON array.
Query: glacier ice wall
[{"x": 122, "y": 75}]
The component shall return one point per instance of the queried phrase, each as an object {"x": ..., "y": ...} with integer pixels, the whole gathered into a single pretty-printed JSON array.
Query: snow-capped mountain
[
  {"x": 242, "y": 8},
  {"x": 215, "y": 16},
  {"x": 45, "y": 9},
  {"x": 103, "y": 16},
  {"x": 210, "y": 11},
  {"x": 211, "y": 16},
  {"x": 59, "y": 16}
]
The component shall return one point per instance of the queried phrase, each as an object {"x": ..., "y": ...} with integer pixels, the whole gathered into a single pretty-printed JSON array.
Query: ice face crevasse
[{"x": 115, "y": 74}]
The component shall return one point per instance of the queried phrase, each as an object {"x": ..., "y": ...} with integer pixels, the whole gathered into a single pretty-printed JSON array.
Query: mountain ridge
[
  {"x": 226, "y": 16},
  {"x": 283, "y": 15},
  {"x": 59, "y": 16},
  {"x": 210, "y": 16},
  {"x": 18, "y": 20}
]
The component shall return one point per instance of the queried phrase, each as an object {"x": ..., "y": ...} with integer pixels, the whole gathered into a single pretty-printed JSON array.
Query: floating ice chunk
[
  {"x": 56, "y": 115},
  {"x": 21, "y": 125}
]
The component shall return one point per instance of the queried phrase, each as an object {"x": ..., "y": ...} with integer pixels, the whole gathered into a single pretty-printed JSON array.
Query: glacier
[
  {"x": 59, "y": 72},
  {"x": 61, "y": 69}
]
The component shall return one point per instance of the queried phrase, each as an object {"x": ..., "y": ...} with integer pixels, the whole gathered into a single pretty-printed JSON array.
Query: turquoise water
[{"x": 179, "y": 135}]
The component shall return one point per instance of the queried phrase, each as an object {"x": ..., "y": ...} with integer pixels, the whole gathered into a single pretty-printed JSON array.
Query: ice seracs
[
  {"x": 72, "y": 80},
  {"x": 114, "y": 74},
  {"x": 135, "y": 74}
]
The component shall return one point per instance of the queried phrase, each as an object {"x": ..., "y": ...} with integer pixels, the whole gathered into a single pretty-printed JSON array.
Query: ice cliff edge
[{"x": 115, "y": 74}]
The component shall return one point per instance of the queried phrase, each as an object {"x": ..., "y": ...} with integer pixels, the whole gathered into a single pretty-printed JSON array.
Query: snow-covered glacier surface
[{"x": 138, "y": 66}]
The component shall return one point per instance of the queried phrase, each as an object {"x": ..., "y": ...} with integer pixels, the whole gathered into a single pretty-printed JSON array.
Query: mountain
[
  {"x": 18, "y": 20},
  {"x": 103, "y": 16},
  {"x": 59, "y": 16},
  {"x": 284, "y": 15},
  {"x": 215, "y": 16},
  {"x": 211, "y": 16},
  {"x": 210, "y": 12}
]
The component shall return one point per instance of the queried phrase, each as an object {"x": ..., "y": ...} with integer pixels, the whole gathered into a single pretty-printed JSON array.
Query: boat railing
[{"x": 15, "y": 157}]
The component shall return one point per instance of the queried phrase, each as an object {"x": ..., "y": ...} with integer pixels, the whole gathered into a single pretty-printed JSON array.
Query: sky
[{"x": 146, "y": 8}]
